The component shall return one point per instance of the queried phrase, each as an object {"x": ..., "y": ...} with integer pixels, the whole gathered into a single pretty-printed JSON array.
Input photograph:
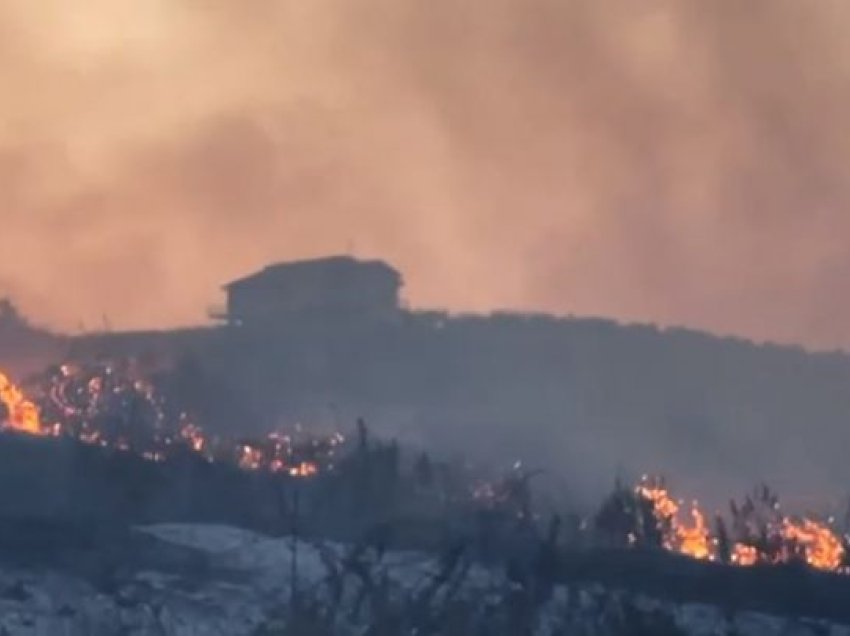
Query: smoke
[{"x": 672, "y": 161}]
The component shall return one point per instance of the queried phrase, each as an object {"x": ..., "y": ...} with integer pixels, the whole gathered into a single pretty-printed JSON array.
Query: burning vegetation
[
  {"x": 759, "y": 532},
  {"x": 115, "y": 406},
  {"x": 119, "y": 407},
  {"x": 20, "y": 414}
]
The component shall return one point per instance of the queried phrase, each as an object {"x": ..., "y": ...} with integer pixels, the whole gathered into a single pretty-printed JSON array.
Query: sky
[{"x": 673, "y": 161}]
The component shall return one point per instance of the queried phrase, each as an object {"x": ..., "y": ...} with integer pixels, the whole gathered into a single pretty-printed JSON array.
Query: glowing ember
[
  {"x": 194, "y": 436},
  {"x": 250, "y": 458},
  {"x": 744, "y": 555},
  {"x": 304, "y": 469},
  {"x": 153, "y": 456}
]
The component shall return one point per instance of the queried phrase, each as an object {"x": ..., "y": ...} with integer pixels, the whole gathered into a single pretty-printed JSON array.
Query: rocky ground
[{"x": 210, "y": 580}]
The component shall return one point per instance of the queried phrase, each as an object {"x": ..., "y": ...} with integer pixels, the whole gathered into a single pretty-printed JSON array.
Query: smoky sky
[{"x": 674, "y": 161}]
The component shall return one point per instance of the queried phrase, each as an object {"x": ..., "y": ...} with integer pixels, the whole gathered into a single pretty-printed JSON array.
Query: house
[{"x": 332, "y": 288}]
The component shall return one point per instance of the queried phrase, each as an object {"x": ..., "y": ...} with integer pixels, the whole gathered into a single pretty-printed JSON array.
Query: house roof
[{"x": 327, "y": 266}]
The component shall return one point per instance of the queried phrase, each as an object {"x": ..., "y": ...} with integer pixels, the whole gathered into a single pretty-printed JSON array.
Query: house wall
[{"x": 371, "y": 294}]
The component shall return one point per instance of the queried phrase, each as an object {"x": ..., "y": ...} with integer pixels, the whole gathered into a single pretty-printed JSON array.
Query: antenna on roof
[{"x": 351, "y": 247}]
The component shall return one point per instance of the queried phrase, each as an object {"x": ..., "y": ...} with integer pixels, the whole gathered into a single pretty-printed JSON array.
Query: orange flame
[
  {"x": 275, "y": 453},
  {"x": 822, "y": 549},
  {"x": 691, "y": 539},
  {"x": 744, "y": 555},
  {"x": 695, "y": 540},
  {"x": 815, "y": 543},
  {"x": 23, "y": 415},
  {"x": 664, "y": 507}
]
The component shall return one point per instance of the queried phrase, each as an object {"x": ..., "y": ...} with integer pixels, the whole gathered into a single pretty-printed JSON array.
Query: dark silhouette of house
[{"x": 335, "y": 288}]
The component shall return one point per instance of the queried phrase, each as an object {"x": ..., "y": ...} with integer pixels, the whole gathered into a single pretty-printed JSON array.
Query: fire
[
  {"x": 23, "y": 415},
  {"x": 822, "y": 549},
  {"x": 805, "y": 540},
  {"x": 250, "y": 458},
  {"x": 764, "y": 536},
  {"x": 113, "y": 407},
  {"x": 664, "y": 506},
  {"x": 744, "y": 555},
  {"x": 276, "y": 456},
  {"x": 692, "y": 538},
  {"x": 194, "y": 436},
  {"x": 304, "y": 469}
]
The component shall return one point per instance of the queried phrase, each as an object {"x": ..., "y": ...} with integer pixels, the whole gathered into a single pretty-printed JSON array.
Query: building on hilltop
[{"x": 337, "y": 287}]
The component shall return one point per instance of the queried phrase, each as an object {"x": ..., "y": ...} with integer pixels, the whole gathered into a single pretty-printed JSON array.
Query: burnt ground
[{"x": 72, "y": 507}]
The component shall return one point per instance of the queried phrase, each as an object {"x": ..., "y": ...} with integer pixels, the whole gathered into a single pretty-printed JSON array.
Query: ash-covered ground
[
  {"x": 219, "y": 580},
  {"x": 484, "y": 593}
]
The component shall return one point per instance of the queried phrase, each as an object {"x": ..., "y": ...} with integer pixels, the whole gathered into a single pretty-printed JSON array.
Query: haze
[{"x": 672, "y": 161}]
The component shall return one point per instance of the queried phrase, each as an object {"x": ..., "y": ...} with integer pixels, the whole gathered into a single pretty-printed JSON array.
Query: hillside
[{"x": 587, "y": 399}]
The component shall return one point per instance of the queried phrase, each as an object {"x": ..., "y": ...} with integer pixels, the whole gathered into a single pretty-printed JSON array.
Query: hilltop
[{"x": 585, "y": 399}]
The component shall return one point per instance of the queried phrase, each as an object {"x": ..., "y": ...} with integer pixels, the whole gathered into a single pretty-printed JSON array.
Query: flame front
[
  {"x": 79, "y": 403},
  {"x": 86, "y": 402},
  {"x": 822, "y": 549},
  {"x": 22, "y": 415},
  {"x": 695, "y": 540},
  {"x": 778, "y": 539},
  {"x": 692, "y": 538}
]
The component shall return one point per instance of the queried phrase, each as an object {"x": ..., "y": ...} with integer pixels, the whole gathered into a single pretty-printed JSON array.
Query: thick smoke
[{"x": 672, "y": 161}]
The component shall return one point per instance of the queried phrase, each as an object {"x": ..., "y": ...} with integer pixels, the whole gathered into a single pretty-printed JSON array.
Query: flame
[
  {"x": 692, "y": 538},
  {"x": 664, "y": 507},
  {"x": 77, "y": 401},
  {"x": 822, "y": 549},
  {"x": 806, "y": 540},
  {"x": 695, "y": 540},
  {"x": 785, "y": 539},
  {"x": 744, "y": 555},
  {"x": 84, "y": 402},
  {"x": 23, "y": 415}
]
